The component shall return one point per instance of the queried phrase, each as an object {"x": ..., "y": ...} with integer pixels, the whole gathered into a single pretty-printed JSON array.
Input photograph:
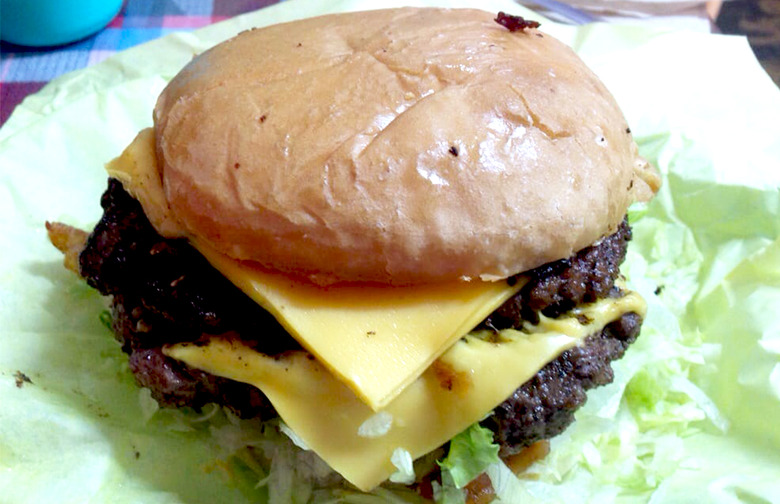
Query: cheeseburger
[{"x": 377, "y": 230}]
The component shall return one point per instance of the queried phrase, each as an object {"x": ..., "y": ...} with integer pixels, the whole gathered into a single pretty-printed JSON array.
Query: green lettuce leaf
[
  {"x": 692, "y": 413},
  {"x": 470, "y": 454}
]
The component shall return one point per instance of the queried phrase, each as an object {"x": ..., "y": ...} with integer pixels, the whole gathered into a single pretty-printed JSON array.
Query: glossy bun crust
[{"x": 396, "y": 146}]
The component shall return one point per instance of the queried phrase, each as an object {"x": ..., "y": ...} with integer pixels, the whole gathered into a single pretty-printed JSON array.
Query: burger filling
[{"x": 164, "y": 292}]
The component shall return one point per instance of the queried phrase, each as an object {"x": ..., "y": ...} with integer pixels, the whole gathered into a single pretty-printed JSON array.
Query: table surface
[{"x": 24, "y": 71}]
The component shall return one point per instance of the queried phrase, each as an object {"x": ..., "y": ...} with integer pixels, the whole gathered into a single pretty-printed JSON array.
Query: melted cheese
[
  {"x": 136, "y": 168},
  {"x": 377, "y": 340},
  {"x": 396, "y": 350},
  {"x": 470, "y": 379}
]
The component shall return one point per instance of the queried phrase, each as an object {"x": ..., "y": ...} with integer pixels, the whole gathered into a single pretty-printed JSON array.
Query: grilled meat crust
[{"x": 163, "y": 291}]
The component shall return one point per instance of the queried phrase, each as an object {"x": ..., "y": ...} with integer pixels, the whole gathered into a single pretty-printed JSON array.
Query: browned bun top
[{"x": 399, "y": 146}]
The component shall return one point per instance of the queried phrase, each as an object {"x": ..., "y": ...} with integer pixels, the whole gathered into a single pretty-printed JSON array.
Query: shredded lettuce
[
  {"x": 271, "y": 464},
  {"x": 402, "y": 460},
  {"x": 470, "y": 454},
  {"x": 376, "y": 426},
  {"x": 448, "y": 492},
  {"x": 506, "y": 486},
  {"x": 679, "y": 423}
]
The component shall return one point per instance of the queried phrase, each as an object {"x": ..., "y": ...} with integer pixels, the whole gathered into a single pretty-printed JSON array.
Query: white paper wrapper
[{"x": 694, "y": 411}]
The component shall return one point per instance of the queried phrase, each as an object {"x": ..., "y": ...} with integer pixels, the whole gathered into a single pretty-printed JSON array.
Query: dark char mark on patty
[{"x": 163, "y": 291}]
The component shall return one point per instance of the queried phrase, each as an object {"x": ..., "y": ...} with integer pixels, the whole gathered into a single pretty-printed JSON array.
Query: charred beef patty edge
[{"x": 163, "y": 291}]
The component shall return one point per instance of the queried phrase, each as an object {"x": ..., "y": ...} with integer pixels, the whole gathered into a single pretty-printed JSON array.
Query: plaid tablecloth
[{"x": 24, "y": 71}]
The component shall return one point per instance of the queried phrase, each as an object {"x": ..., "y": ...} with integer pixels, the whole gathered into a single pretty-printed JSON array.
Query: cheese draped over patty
[
  {"x": 362, "y": 176},
  {"x": 401, "y": 352},
  {"x": 461, "y": 386}
]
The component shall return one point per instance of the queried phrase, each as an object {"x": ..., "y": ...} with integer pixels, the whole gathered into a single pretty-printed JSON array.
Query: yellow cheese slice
[
  {"x": 377, "y": 340},
  {"x": 136, "y": 168},
  {"x": 470, "y": 379}
]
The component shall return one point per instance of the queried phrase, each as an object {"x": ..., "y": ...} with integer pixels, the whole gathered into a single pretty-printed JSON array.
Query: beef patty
[{"x": 163, "y": 291}]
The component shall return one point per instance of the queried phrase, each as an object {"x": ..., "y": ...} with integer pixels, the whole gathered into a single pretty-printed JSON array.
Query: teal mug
[{"x": 40, "y": 23}]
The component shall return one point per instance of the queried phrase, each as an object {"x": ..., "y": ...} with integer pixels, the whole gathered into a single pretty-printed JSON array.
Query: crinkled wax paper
[{"x": 693, "y": 414}]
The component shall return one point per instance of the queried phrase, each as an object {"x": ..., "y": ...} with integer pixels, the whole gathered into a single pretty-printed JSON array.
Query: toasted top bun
[{"x": 396, "y": 146}]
